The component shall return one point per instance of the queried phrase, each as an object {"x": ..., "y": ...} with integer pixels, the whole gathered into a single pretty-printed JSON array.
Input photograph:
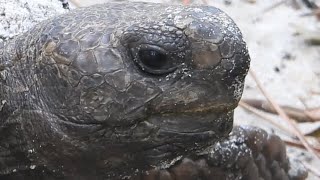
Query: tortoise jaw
[
  {"x": 184, "y": 135},
  {"x": 173, "y": 146},
  {"x": 194, "y": 123}
]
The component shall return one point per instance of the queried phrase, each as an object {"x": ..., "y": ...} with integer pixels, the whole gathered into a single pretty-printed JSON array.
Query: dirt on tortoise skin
[{"x": 112, "y": 91}]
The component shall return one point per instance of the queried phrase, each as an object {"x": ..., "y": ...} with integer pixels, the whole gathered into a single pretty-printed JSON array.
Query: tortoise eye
[{"x": 153, "y": 59}]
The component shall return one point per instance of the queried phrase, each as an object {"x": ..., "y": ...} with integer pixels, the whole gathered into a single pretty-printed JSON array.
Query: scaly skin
[
  {"x": 112, "y": 90},
  {"x": 249, "y": 153}
]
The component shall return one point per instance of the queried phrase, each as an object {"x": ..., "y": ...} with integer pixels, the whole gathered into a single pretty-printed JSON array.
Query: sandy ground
[
  {"x": 17, "y": 16},
  {"x": 287, "y": 66}
]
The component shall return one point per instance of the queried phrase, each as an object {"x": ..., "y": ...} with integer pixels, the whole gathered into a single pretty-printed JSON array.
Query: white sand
[{"x": 17, "y": 16}]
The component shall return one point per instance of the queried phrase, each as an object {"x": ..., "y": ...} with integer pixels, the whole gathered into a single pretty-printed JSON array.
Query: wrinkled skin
[
  {"x": 249, "y": 153},
  {"x": 116, "y": 89}
]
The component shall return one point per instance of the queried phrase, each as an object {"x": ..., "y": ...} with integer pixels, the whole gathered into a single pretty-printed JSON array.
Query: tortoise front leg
[{"x": 249, "y": 153}]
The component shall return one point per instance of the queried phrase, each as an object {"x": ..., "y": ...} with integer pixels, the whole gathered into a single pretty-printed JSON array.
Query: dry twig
[
  {"x": 310, "y": 4},
  {"x": 260, "y": 114},
  {"x": 76, "y": 3},
  {"x": 252, "y": 1},
  {"x": 284, "y": 116},
  {"x": 295, "y": 4},
  {"x": 295, "y": 113},
  {"x": 273, "y": 6},
  {"x": 314, "y": 92},
  {"x": 299, "y": 145}
]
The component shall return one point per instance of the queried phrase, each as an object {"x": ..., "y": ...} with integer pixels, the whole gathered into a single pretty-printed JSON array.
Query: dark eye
[{"x": 153, "y": 59}]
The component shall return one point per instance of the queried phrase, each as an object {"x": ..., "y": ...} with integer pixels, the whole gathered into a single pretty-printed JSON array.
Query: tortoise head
[{"x": 134, "y": 86}]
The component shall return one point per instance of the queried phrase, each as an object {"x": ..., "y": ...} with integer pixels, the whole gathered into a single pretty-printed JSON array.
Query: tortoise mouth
[
  {"x": 184, "y": 135},
  {"x": 194, "y": 123}
]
